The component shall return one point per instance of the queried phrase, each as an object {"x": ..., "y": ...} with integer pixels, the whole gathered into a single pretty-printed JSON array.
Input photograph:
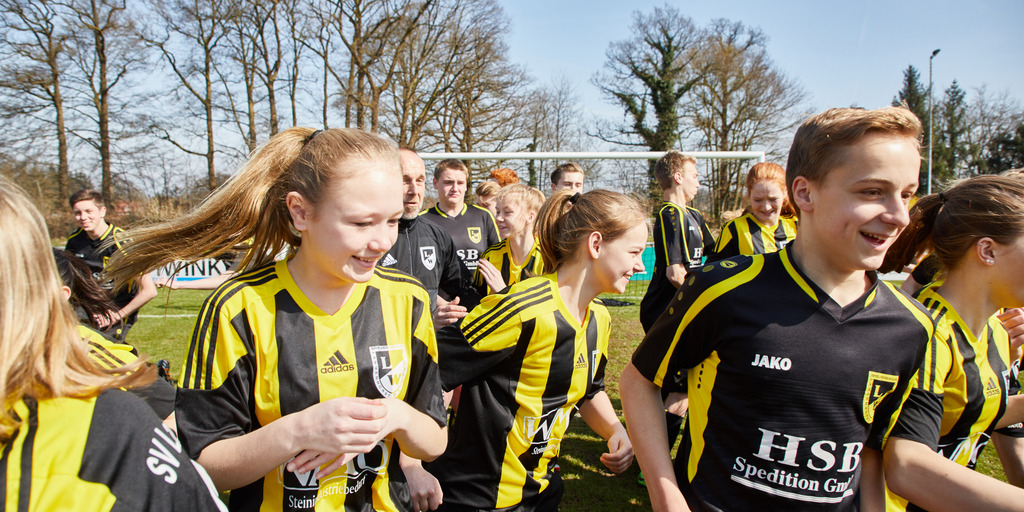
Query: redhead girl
[
  {"x": 769, "y": 221},
  {"x": 305, "y": 376}
]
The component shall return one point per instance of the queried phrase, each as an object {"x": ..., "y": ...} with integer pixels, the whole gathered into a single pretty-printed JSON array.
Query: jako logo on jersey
[
  {"x": 428, "y": 255},
  {"x": 337, "y": 363},
  {"x": 162, "y": 460},
  {"x": 879, "y": 385},
  {"x": 538, "y": 429},
  {"x": 389, "y": 369},
  {"x": 772, "y": 362},
  {"x": 475, "y": 234}
]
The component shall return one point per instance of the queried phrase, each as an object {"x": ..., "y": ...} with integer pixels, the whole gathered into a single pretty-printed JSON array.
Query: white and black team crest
[
  {"x": 428, "y": 255},
  {"x": 389, "y": 368}
]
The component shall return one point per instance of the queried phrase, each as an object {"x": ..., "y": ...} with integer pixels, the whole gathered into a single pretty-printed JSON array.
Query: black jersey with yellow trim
[
  {"x": 261, "y": 350},
  {"x": 473, "y": 230},
  {"x": 747, "y": 236},
  {"x": 681, "y": 235},
  {"x": 960, "y": 390},
  {"x": 108, "y": 452},
  {"x": 786, "y": 387},
  {"x": 96, "y": 255},
  {"x": 500, "y": 255},
  {"x": 525, "y": 364}
]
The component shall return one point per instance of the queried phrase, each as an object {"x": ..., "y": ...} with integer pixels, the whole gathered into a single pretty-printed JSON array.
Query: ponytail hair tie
[
  {"x": 575, "y": 197},
  {"x": 310, "y": 137},
  {"x": 942, "y": 198}
]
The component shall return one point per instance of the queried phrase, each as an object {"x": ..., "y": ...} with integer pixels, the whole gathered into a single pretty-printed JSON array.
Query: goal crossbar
[{"x": 591, "y": 155}]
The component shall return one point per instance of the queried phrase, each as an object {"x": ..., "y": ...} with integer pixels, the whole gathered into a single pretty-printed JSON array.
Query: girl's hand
[
  {"x": 337, "y": 430},
  {"x": 620, "y": 453}
]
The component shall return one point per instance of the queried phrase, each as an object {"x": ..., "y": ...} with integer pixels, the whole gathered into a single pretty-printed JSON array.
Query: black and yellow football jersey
[
  {"x": 681, "y": 235},
  {"x": 747, "y": 236},
  {"x": 95, "y": 257},
  {"x": 473, "y": 230},
  {"x": 959, "y": 392},
  {"x": 500, "y": 255},
  {"x": 261, "y": 350},
  {"x": 110, "y": 355},
  {"x": 786, "y": 387},
  {"x": 108, "y": 452},
  {"x": 524, "y": 364}
]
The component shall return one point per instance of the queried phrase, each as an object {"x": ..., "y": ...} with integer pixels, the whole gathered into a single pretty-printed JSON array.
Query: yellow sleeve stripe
[
  {"x": 707, "y": 297},
  {"x": 921, "y": 317},
  {"x": 796, "y": 275}
]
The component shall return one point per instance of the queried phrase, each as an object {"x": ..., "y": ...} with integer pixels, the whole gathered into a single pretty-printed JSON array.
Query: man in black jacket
[{"x": 426, "y": 251}]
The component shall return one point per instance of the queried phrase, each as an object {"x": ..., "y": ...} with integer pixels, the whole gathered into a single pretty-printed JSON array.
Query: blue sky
[{"x": 843, "y": 53}]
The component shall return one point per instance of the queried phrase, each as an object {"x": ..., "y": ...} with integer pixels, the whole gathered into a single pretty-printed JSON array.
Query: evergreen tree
[
  {"x": 952, "y": 151},
  {"x": 914, "y": 95},
  {"x": 1006, "y": 150}
]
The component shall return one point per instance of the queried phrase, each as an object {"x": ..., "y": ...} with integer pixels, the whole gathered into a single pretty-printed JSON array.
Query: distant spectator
[
  {"x": 504, "y": 176},
  {"x": 569, "y": 176}
]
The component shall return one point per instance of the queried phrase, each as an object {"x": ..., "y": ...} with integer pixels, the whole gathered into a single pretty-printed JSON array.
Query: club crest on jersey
[
  {"x": 879, "y": 386},
  {"x": 475, "y": 234},
  {"x": 428, "y": 255},
  {"x": 389, "y": 368}
]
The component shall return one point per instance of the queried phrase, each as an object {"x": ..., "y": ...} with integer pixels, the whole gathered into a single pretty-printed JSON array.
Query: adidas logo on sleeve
[{"x": 337, "y": 363}]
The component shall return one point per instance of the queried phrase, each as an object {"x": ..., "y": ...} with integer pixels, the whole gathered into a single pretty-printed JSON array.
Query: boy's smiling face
[{"x": 857, "y": 210}]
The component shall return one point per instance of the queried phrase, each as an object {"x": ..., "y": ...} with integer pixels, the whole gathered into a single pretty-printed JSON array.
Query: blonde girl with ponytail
[{"x": 306, "y": 376}]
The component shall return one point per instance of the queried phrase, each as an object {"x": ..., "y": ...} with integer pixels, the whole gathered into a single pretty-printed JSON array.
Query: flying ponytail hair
[
  {"x": 566, "y": 219},
  {"x": 249, "y": 211},
  {"x": 86, "y": 292},
  {"x": 949, "y": 223}
]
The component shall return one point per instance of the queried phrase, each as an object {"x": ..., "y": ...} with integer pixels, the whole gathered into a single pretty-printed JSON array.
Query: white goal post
[{"x": 591, "y": 155}]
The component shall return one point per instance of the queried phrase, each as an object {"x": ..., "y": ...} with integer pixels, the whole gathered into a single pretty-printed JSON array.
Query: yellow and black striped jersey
[
  {"x": 261, "y": 350},
  {"x": 786, "y": 386},
  {"x": 524, "y": 364},
  {"x": 108, "y": 452},
  {"x": 500, "y": 255},
  {"x": 681, "y": 235},
  {"x": 110, "y": 355},
  {"x": 960, "y": 390},
  {"x": 747, "y": 236},
  {"x": 106, "y": 353},
  {"x": 95, "y": 257}
]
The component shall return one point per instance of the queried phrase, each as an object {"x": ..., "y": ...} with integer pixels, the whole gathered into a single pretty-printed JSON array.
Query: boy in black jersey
[
  {"x": 800, "y": 359},
  {"x": 682, "y": 240},
  {"x": 87, "y": 243},
  {"x": 471, "y": 227}
]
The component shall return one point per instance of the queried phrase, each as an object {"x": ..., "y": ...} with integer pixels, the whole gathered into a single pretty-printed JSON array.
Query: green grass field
[{"x": 164, "y": 330}]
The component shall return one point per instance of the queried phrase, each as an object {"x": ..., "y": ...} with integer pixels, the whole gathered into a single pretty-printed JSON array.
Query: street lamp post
[{"x": 930, "y": 137}]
